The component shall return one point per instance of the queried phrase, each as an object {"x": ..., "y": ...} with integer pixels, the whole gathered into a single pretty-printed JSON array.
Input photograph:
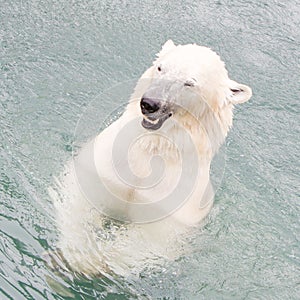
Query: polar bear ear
[
  {"x": 239, "y": 93},
  {"x": 167, "y": 47}
]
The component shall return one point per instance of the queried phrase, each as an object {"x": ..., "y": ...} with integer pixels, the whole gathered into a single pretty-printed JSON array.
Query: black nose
[{"x": 149, "y": 105}]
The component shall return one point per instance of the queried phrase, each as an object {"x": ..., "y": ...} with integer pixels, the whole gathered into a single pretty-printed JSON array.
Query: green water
[{"x": 56, "y": 56}]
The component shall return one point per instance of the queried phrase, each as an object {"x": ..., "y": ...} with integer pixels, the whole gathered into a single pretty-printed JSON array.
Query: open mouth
[{"x": 154, "y": 124}]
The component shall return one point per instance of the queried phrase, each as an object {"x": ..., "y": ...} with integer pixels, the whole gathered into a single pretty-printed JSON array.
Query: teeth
[{"x": 152, "y": 122}]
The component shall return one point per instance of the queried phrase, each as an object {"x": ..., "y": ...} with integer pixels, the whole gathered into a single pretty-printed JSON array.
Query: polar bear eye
[
  {"x": 190, "y": 83},
  {"x": 159, "y": 68}
]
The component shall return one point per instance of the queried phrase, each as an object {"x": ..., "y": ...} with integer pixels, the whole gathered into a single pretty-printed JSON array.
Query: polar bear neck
[
  {"x": 208, "y": 126},
  {"x": 207, "y": 131}
]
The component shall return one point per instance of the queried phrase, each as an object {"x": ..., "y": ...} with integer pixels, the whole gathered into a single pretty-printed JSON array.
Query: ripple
[{"x": 55, "y": 57}]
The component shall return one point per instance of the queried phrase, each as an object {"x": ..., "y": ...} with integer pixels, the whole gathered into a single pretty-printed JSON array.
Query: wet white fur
[{"x": 206, "y": 116}]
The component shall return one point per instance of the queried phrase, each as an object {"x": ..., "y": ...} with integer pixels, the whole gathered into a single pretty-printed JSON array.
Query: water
[{"x": 57, "y": 56}]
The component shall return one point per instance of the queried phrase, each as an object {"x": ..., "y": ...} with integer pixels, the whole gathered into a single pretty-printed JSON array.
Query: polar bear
[{"x": 134, "y": 189}]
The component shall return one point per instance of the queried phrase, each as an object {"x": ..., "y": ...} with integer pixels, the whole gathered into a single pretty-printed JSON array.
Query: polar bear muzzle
[{"x": 155, "y": 113}]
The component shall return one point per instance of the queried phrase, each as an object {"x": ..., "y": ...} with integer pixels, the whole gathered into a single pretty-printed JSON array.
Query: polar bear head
[{"x": 188, "y": 84}]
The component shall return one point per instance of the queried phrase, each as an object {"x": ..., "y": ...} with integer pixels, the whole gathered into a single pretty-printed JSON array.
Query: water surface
[{"x": 56, "y": 56}]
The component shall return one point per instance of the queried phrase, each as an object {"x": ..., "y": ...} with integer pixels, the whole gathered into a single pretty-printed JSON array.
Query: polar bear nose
[{"x": 149, "y": 105}]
